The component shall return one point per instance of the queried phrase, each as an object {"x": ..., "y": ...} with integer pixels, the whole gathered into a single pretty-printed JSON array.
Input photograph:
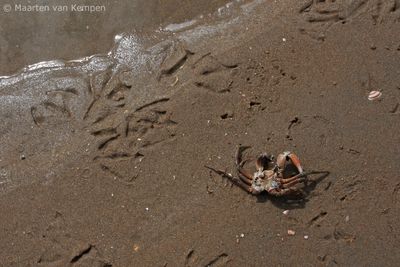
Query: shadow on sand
[{"x": 296, "y": 201}]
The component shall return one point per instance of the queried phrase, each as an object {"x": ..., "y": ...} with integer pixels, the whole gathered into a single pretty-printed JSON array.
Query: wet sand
[{"x": 101, "y": 166}]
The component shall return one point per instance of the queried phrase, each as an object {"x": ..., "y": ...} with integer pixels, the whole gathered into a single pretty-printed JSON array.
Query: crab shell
[{"x": 264, "y": 181}]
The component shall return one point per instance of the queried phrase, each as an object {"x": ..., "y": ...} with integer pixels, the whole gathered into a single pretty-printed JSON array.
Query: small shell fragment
[
  {"x": 306, "y": 237},
  {"x": 285, "y": 212},
  {"x": 374, "y": 95},
  {"x": 291, "y": 232}
]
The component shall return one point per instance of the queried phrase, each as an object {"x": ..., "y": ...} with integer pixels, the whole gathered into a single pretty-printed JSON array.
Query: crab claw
[
  {"x": 287, "y": 155},
  {"x": 296, "y": 162},
  {"x": 281, "y": 160}
]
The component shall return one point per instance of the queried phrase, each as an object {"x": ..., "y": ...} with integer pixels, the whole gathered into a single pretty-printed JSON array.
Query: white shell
[
  {"x": 286, "y": 212},
  {"x": 291, "y": 232},
  {"x": 373, "y": 95}
]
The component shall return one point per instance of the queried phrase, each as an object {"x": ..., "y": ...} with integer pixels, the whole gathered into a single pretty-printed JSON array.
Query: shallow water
[{"x": 27, "y": 37}]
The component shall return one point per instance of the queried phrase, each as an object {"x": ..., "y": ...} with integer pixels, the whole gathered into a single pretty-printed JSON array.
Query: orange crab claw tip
[{"x": 296, "y": 162}]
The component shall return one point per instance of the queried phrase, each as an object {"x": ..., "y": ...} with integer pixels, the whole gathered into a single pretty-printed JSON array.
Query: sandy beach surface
[{"x": 102, "y": 159}]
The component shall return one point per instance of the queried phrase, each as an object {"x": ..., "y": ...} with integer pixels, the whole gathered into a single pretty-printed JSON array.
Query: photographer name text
[{"x": 57, "y": 8}]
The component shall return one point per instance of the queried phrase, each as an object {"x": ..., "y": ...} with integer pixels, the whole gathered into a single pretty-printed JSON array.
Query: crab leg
[
  {"x": 242, "y": 185},
  {"x": 244, "y": 178},
  {"x": 244, "y": 175},
  {"x": 238, "y": 156},
  {"x": 291, "y": 179},
  {"x": 292, "y": 183},
  {"x": 234, "y": 180}
]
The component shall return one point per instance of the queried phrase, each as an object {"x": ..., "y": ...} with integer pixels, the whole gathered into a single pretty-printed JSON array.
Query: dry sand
[{"x": 128, "y": 184}]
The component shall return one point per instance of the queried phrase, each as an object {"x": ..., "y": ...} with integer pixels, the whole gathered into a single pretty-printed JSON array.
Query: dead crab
[{"x": 269, "y": 175}]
